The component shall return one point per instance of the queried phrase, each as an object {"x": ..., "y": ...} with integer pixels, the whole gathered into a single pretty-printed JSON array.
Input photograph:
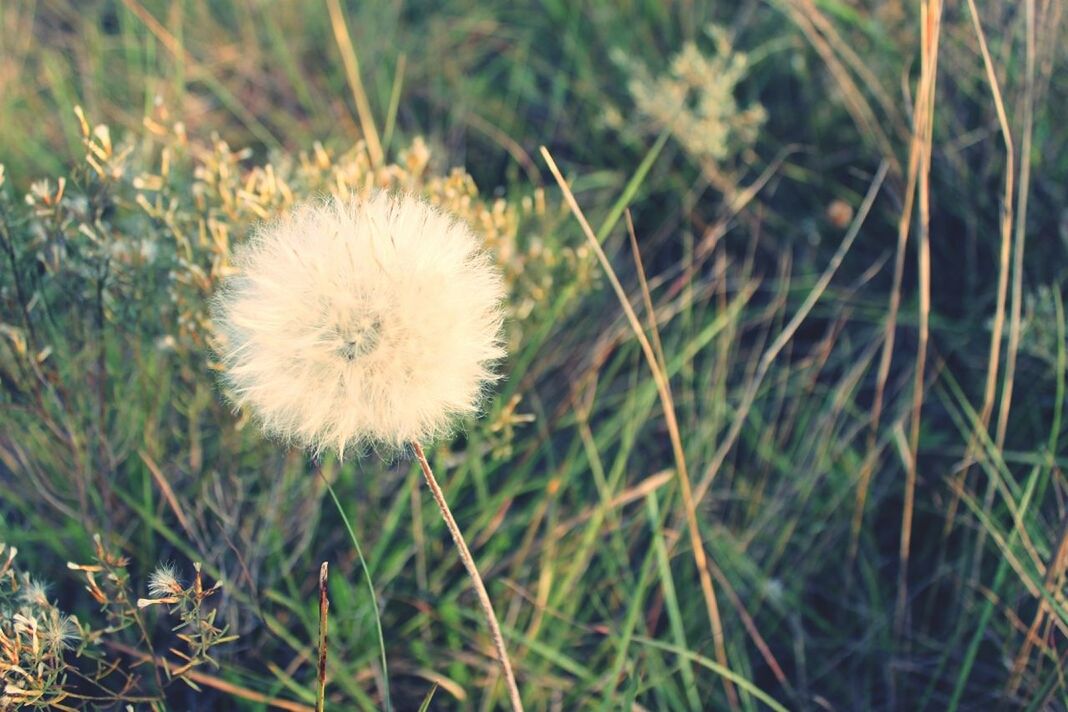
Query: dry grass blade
[
  {"x": 736, "y": 601},
  {"x": 889, "y": 333},
  {"x": 1053, "y": 583},
  {"x": 324, "y": 612},
  {"x": 216, "y": 683},
  {"x": 1023, "y": 190},
  {"x": 886, "y": 357},
  {"x": 352, "y": 73},
  {"x": 664, "y": 391},
  {"x": 998, "y": 330},
  {"x": 855, "y": 62},
  {"x": 167, "y": 491},
  {"x": 647, "y": 298},
  {"x": 855, "y": 102},
  {"x": 1055, "y": 572},
  {"x": 931, "y": 19},
  {"x": 509, "y": 144},
  {"x": 632, "y": 494}
]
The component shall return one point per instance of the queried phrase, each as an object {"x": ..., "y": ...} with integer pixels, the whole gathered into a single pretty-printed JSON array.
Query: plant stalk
[
  {"x": 324, "y": 608},
  {"x": 476, "y": 579}
]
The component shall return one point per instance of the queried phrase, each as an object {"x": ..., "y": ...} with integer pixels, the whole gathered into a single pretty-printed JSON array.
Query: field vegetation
[{"x": 782, "y": 421}]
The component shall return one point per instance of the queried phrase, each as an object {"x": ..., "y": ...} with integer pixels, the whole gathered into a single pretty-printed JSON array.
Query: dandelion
[
  {"x": 360, "y": 322},
  {"x": 365, "y": 322}
]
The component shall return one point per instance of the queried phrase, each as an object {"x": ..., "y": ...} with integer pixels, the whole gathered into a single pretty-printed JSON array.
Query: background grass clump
[{"x": 849, "y": 260}]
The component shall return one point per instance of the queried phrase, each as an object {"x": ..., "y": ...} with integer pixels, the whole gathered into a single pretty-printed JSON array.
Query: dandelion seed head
[{"x": 360, "y": 322}]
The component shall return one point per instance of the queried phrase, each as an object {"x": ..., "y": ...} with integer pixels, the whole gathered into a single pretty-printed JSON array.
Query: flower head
[
  {"x": 360, "y": 321},
  {"x": 164, "y": 582},
  {"x": 34, "y": 593},
  {"x": 59, "y": 631}
]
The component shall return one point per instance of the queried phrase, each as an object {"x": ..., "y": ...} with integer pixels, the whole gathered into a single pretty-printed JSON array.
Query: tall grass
[{"x": 749, "y": 454}]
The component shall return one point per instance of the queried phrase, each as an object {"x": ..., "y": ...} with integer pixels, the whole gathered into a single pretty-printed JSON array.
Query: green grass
[{"x": 575, "y": 516}]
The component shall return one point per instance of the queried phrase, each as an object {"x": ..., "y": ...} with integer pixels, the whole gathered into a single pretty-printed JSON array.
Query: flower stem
[
  {"x": 324, "y": 608},
  {"x": 476, "y": 579}
]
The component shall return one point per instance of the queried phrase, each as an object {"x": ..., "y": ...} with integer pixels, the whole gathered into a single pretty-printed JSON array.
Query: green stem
[{"x": 370, "y": 588}]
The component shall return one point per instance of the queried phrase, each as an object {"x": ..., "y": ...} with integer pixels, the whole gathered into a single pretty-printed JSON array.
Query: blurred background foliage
[{"x": 769, "y": 151}]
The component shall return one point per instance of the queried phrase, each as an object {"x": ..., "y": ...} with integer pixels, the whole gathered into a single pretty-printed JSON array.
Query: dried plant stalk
[
  {"x": 472, "y": 571},
  {"x": 324, "y": 612}
]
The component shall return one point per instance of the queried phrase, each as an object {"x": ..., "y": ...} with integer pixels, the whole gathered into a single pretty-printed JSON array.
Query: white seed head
[
  {"x": 34, "y": 593},
  {"x": 164, "y": 582},
  {"x": 360, "y": 321},
  {"x": 59, "y": 631}
]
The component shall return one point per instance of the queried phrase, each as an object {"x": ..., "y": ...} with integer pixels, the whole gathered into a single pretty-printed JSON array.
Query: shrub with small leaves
[
  {"x": 51, "y": 660},
  {"x": 695, "y": 99},
  {"x": 199, "y": 632},
  {"x": 1043, "y": 324},
  {"x": 35, "y": 641}
]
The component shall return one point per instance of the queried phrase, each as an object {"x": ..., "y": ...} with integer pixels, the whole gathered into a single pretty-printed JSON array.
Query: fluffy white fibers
[{"x": 360, "y": 322}]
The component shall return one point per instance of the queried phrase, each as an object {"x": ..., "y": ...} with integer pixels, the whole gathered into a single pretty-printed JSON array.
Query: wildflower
[
  {"x": 365, "y": 321},
  {"x": 34, "y": 593},
  {"x": 360, "y": 321},
  {"x": 163, "y": 587},
  {"x": 164, "y": 582},
  {"x": 59, "y": 631}
]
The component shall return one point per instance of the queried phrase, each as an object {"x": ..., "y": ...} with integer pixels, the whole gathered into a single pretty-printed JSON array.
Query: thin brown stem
[
  {"x": 932, "y": 23},
  {"x": 324, "y": 610},
  {"x": 997, "y": 330},
  {"x": 211, "y": 681},
  {"x": 472, "y": 571}
]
